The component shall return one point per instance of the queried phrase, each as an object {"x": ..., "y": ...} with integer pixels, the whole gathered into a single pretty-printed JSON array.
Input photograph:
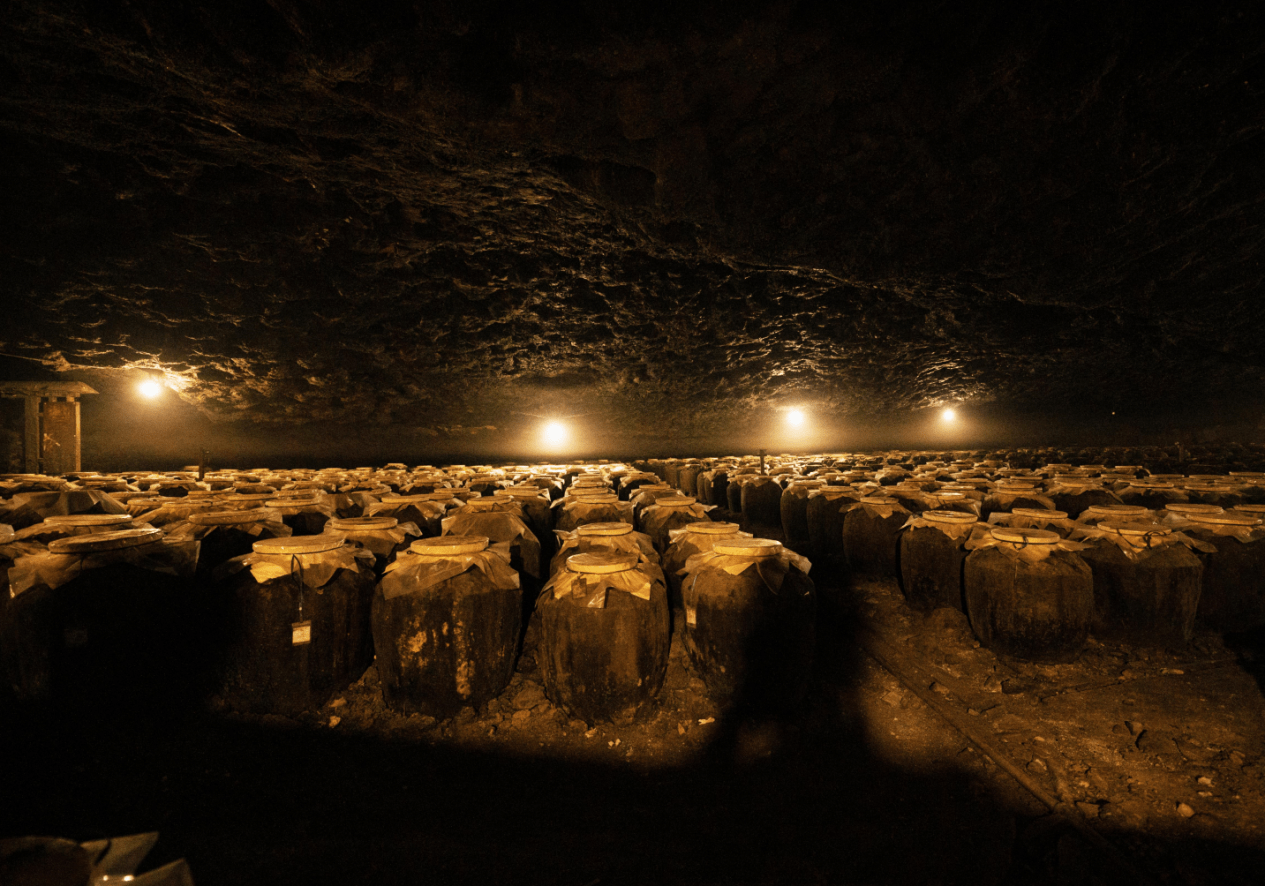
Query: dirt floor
[{"x": 1158, "y": 752}]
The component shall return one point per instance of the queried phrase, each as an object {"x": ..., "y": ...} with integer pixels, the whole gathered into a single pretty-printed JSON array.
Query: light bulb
[
  {"x": 796, "y": 418},
  {"x": 150, "y": 388},
  {"x": 555, "y": 433}
]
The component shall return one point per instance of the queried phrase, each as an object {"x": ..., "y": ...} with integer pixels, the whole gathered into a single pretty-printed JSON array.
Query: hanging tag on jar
[
  {"x": 691, "y": 616},
  {"x": 300, "y": 633}
]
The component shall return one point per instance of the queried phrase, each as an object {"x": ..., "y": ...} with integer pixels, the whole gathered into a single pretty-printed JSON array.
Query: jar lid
[
  {"x": 807, "y": 484},
  {"x": 522, "y": 492},
  {"x": 247, "y": 496},
  {"x": 1149, "y": 484},
  {"x": 596, "y": 498},
  {"x": 88, "y": 519},
  {"x": 1114, "y": 511},
  {"x": 957, "y": 517},
  {"x": 879, "y": 500},
  {"x": 1042, "y": 513},
  {"x": 748, "y": 547},
  {"x": 360, "y": 524},
  {"x": 707, "y": 527},
  {"x": 290, "y": 502},
  {"x": 437, "y": 495},
  {"x": 117, "y": 540},
  {"x": 1228, "y": 518},
  {"x": 677, "y": 501},
  {"x": 396, "y": 499},
  {"x": 229, "y": 518},
  {"x": 1025, "y": 536},
  {"x": 449, "y": 545},
  {"x": 1135, "y": 529},
  {"x": 298, "y": 544},
  {"x": 601, "y": 562},
  {"x": 1258, "y": 510},
  {"x": 1013, "y": 488},
  {"x": 1187, "y": 509},
  {"x": 605, "y": 529}
]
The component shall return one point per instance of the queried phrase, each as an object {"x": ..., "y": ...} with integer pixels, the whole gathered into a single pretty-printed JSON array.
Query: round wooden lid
[
  {"x": 117, "y": 540},
  {"x": 298, "y": 544},
  {"x": 1043, "y": 513},
  {"x": 599, "y": 498},
  {"x": 229, "y": 518},
  {"x": 89, "y": 519},
  {"x": 1188, "y": 509},
  {"x": 748, "y": 547},
  {"x": 1025, "y": 536},
  {"x": 601, "y": 562},
  {"x": 1228, "y": 518},
  {"x": 956, "y": 517},
  {"x": 677, "y": 501},
  {"x": 1122, "y": 512},
  {"x": 360, "y": 524},
  {"x": 707, "y": 527},
  {"x": 449, "y": 545},
  {"x": 879, "y": 500},
  {"x": 605, "y": 529}
]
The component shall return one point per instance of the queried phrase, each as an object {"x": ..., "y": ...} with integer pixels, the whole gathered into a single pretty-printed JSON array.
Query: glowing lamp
[
  {"x": 949, "y": 414},
  {"x": 150, "y": 388},
  {"x": 796, "y": 418},
  {"x": 555, "y": 433}
]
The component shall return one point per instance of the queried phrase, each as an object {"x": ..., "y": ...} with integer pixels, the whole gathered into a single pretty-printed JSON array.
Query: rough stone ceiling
[{"x": 449, "y": 214}]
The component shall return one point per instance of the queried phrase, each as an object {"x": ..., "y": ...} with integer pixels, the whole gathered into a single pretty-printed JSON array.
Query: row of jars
[{"x": 296, "y": 599}]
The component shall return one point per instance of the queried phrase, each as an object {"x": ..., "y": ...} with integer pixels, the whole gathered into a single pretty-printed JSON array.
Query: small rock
[
  {"x": 521, "y": 716},
  {"x": 893, "y": 697},
  {"x": 493, "y": 706},
  {"x": 334, "y": 721},
  {"x": 492, "y": 732},
  {"x": 543, "y": 708},
  {"x": 1089, "y": 810},
  {"x": 972, "y": 712},
  {"x": 992, "y": 684},
  {"x": 426, "y": 721},
  {"x": 1237, "y": 758},
  {"x": 1205, "y": 793},
  {"x": 1185, "y": 811},
  {"x": 529, "y": 697},
  {"x": 592, "y": 732},
  {"x": 680, "y": 729},
  {"x": 338, "y": 703},
  {"x": 706, "y": 720},
  {"x": 1135, "y": 728},
  {"x": 579, "y": 725},
  {"x": 1205, "y": 780},
  {"x": 1038, "y": 766},
  {"x": 940, "y": 688}
]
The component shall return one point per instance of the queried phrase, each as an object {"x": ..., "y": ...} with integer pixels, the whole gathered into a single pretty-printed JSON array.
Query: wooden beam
[{"x": 31, "y": 437}]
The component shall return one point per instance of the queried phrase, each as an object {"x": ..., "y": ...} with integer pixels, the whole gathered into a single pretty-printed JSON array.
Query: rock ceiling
[{"x": 457, "y": 216}]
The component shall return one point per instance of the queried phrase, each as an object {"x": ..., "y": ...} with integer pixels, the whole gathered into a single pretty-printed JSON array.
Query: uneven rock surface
[{"x": 460, "y": 217}]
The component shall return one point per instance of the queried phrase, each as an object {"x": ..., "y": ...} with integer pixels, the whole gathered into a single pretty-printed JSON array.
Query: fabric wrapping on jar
[
  {"x": 411, "y": 573},
  {"x": 498, "y": 527},
  {"x": 952, "y": 530},
  {"x": 1136, "y": 547},
  {"x": 314, "y": 570},
  {"x": 169, "y": 556},
  {"x": 28, "y": 508},
  {"x": 638, "y": 579},
  {"x": 1063, "y": 525},
  {"x": 772, "y": 570},
  {"x": 981, "y": 539},
  {"x": 382, "y": 542},
  {"x": 262, "y": 520},
  {"x": 631, "y": 542}
]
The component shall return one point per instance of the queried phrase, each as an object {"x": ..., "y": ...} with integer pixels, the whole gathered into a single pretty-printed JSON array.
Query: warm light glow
[
  {"x": 555, "y": 433},
  {"x": 796, "y": 418},
  {"x": 151, "y": 388},
  {"x": 949, "y": 414}
]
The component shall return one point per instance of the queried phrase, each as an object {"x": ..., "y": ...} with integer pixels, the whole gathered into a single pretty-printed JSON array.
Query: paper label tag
[
  {"x": 691, "y": 616},
  {"x": 300, "y": 633}
]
